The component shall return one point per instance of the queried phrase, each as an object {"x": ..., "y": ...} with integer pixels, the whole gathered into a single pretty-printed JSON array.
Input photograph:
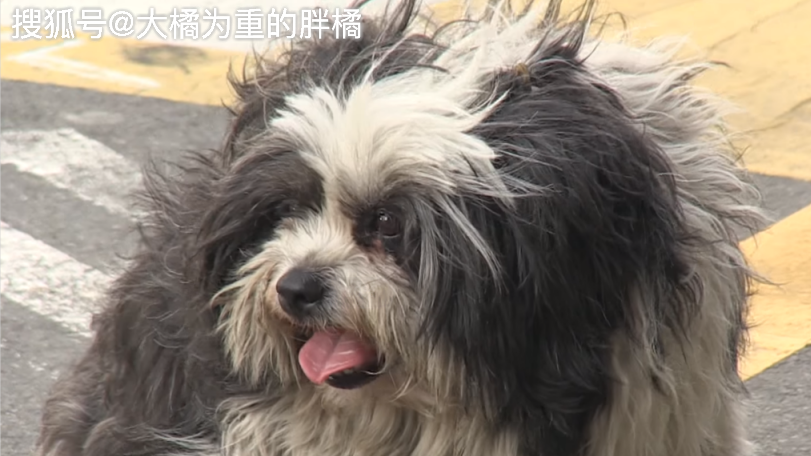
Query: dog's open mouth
[{"x": 339, "y": 358}]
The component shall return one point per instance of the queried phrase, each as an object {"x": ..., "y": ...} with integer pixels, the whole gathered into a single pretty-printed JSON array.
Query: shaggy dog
[{"x": 492, "y": 238}]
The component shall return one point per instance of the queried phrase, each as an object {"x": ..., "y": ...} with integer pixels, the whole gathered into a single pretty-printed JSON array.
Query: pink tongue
[{"x": 330, "y": 352}]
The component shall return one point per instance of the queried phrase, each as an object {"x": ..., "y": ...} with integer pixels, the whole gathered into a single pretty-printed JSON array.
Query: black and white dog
[{"x": 497, "y": 237}]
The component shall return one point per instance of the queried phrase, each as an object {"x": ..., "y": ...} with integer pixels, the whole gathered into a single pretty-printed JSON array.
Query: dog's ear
[
  {"x": 235, "y": 220},
  {"x": 245, "y": 207},
  {"x": 238, "y": 209}
]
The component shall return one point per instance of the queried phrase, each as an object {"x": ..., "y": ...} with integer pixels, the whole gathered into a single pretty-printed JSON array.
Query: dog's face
[
  {"x": 439, "y": 224},
  {"x": 362, "y": 207}
]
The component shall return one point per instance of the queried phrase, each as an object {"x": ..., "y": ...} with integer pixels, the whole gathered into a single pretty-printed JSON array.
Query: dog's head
[{"x": 454, "y": 219}]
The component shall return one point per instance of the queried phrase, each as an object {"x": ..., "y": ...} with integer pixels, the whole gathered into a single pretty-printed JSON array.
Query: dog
[{"x": 492, "y": 237}]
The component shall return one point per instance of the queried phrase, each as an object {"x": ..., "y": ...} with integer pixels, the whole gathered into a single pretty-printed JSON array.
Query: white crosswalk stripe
[
  {"x": 36, "y": 275},
  {"x": 48, "y": 281},
  {"x": 71, "y": 161}
]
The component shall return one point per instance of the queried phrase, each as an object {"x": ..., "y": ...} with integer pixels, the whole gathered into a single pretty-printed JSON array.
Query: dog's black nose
[{"x": 300, "y": 291}]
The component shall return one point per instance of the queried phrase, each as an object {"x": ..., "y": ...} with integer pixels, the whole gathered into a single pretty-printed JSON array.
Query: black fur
[{"x": 609, "y": 221}]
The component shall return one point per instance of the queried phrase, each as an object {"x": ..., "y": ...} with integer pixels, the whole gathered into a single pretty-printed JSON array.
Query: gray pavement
[{"x": 35, "y": 349}]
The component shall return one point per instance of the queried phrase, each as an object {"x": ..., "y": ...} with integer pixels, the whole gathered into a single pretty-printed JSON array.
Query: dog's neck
[{"x": 308, "y": 424}]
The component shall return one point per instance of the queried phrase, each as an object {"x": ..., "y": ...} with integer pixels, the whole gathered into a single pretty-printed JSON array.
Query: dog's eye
[
  {"x": 386, "y": 224},
  {"x": 288, "y": 207}
]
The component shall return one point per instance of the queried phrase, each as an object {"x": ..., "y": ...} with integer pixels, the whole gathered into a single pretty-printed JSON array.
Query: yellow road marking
[
  {"x": 780, "y": 315},
  {"x": 770, "y": 78},
  {"x": 178, "y": 73},
  {"x": 768, "y": 75}
]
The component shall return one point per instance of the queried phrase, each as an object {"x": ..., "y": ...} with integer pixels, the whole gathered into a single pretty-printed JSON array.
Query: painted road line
[
  {"x": 49, "y": 282},
  {"x": 770, "y": 71},
  {"x": 767, "y": 75},
  {"x": 698, "y": 19},
  {"x": 43, "y": 59},
  {"x": 128, "y": 66},
  {"x": 784, "y": 149},
  {"x": 188, "y": 70},
  {"x": 780, "y": 316},
  {"x": 18, "y": 360},
  {"x": 73, "y": 162}
]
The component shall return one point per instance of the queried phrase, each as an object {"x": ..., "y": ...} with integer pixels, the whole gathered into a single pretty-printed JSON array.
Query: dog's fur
[{"x": 566, "y": 281}]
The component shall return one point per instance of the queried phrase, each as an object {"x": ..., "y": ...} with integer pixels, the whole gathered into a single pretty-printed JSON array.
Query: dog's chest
[{"x": 282, "y": 430}]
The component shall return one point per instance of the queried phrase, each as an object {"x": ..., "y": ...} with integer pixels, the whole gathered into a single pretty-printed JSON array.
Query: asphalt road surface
[{"x": 69, "y": 157}]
